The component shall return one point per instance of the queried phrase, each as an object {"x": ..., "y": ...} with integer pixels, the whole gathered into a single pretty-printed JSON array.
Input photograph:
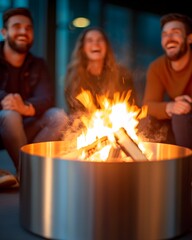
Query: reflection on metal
[
  {"x": 82, "y": 200},
  {"x": 81, "y": 22}
]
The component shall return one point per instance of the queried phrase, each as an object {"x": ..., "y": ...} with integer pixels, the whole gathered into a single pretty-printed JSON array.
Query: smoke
[
  {"x": 72, "y": 130},
  {"x": 152, "y": 130},
  {"x": 149, "y": 130}
]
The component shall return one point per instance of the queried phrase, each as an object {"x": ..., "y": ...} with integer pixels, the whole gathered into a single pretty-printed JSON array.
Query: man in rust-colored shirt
[{"x": 171, "y": 75}]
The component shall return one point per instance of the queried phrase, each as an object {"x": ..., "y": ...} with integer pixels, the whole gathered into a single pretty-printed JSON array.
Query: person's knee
[
  {"x": 181, "y": 120},
  {"x": 55, "y": 115},
  {"x": 182, "y": 129},
  {"x": 9, "y": 116}
]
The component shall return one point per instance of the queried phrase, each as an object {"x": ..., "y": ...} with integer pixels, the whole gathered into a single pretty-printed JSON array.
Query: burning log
[
  {"x": 95, "y": 146},
  {"x": 123, "y": 143},
  {"x": 129, "y": 146},
  {"x": 88, "y": 150},
  {"x": 114, "y": 153}
]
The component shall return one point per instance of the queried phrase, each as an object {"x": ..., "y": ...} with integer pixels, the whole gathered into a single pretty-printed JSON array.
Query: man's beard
[
  {"x": 179, "y": 54},
  {"x": 24, "y": 48}
]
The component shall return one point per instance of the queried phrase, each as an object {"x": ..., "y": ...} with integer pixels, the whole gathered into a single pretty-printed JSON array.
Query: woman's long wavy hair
[{"x": 77, "y": 68}]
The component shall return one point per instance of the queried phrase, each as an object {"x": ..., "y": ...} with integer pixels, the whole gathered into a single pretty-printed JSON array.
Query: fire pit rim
[{"x": 31, "y": 149}]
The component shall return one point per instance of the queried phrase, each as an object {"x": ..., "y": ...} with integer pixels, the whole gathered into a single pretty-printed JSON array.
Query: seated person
[
  {"x": 93, "y": 68},
  {"x": 171, "y": 74},
  {"x": 26, "y": 110}
]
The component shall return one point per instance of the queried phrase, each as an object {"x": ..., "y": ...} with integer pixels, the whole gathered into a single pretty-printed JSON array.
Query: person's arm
[
  {"x": 16, "y": 103},
  {"x": 154, "y": 94},
  {"x": 181, "y": 105},
  {"x": 41, "y": 90}
]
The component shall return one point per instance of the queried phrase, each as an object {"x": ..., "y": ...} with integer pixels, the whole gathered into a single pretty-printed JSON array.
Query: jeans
[
  {"x": 182, "y": 129},
  {"x": 16, "y": 131}
]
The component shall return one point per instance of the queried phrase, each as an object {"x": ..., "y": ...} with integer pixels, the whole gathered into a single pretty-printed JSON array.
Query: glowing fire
[{"x": 104, "y": 122}]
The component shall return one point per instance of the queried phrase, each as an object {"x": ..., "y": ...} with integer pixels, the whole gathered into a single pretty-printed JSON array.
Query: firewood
[
  {"x": 129, "y": 146},
  {"x": 114, "y": 154},
  {"x": 88, "y": 150}
]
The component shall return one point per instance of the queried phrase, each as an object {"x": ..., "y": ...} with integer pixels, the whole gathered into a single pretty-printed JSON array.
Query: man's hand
[
  {"x": 181, "y": 105},
  {"x": 14, "y": 101}
]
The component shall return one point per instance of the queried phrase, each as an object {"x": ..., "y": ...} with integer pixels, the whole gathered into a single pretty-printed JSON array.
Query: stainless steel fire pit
[{"x": 82, "y": 200}]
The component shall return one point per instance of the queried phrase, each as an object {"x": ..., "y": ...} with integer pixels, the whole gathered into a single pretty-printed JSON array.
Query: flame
[{"x": 109, "y": 118}]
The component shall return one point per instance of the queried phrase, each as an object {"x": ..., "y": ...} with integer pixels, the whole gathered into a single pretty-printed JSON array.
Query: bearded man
[
  {"x": 26, "y": 92},
  {"x": 168, "y": 91}
]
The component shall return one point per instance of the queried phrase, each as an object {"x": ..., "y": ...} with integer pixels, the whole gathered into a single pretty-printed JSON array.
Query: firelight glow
[{"x": 112, "y": 115}]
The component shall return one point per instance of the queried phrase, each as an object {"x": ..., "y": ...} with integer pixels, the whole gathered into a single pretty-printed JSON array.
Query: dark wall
[{"x": 156, "y": 7}]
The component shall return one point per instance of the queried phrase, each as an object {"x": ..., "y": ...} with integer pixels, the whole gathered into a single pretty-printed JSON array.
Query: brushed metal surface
[{"x": 82, "y": 200}]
